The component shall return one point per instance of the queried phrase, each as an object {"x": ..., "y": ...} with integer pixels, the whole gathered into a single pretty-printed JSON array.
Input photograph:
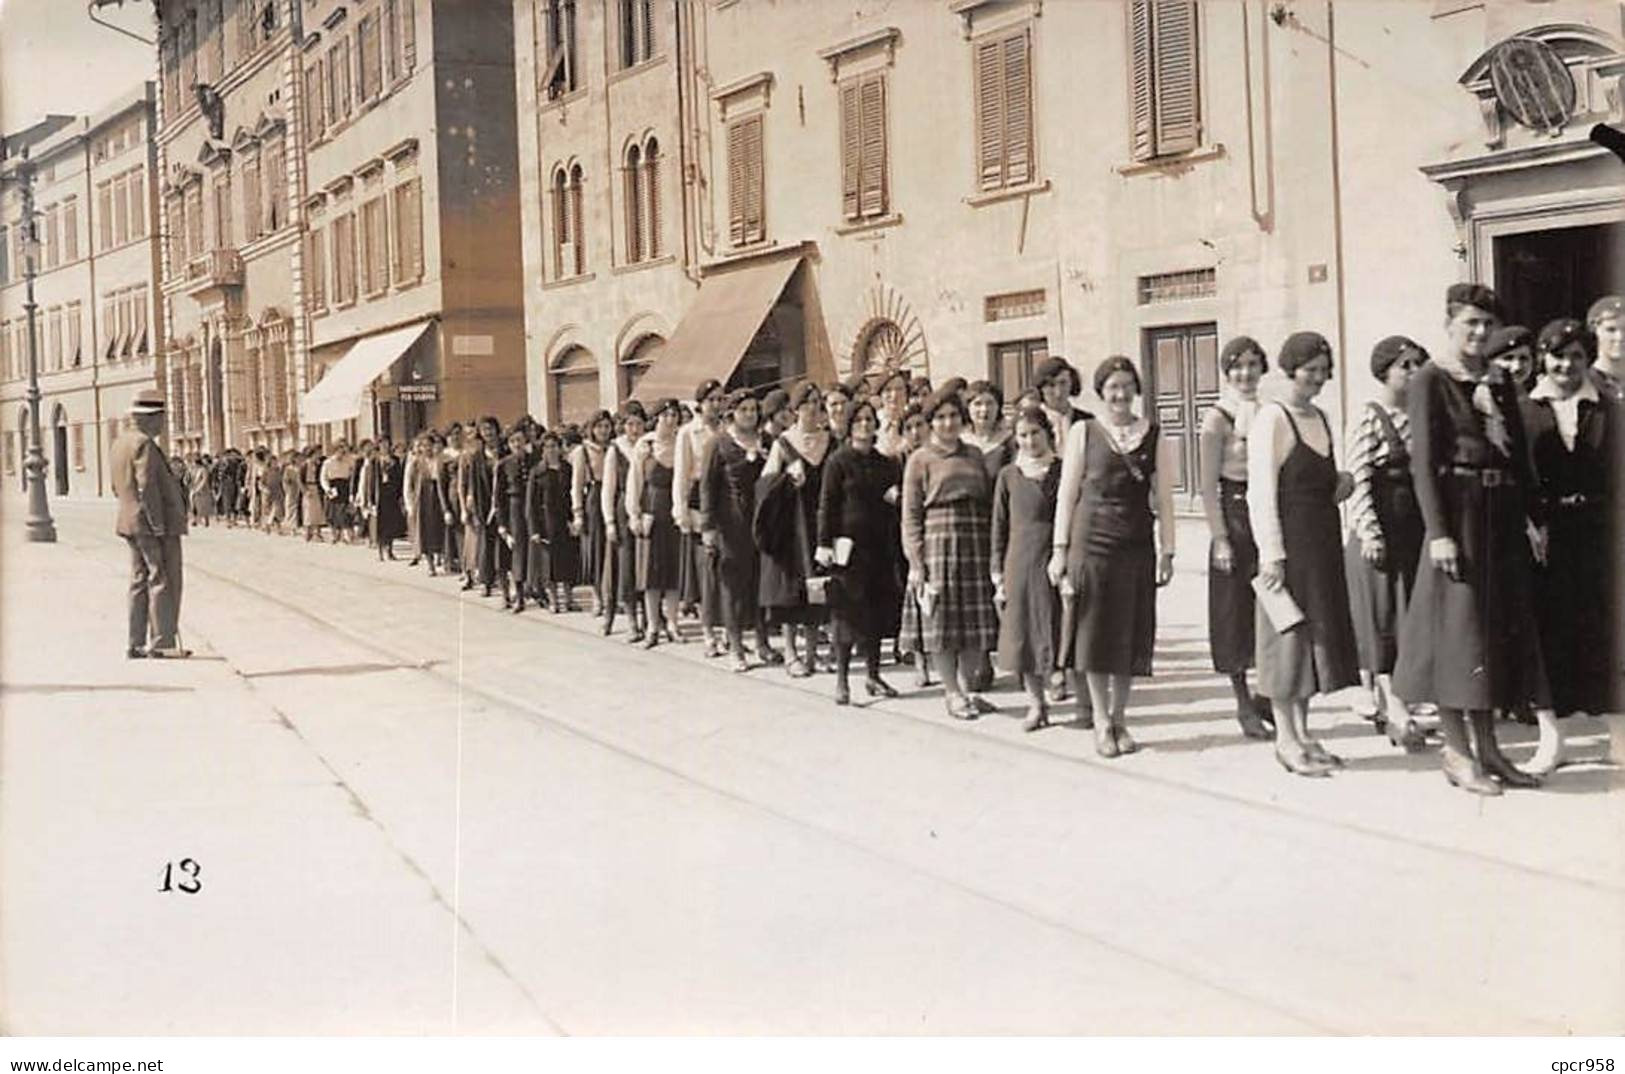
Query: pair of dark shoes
[
  {"x": 1257, "y": 719},
  {"x": 176, "y": 653}
]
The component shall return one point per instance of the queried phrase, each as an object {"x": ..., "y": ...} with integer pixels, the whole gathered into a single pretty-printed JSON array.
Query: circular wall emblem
[{"x": 1532, "y": 82}]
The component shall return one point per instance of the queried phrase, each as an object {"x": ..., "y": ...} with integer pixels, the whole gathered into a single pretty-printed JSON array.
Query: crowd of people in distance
[{"x": 1462, "y": 567}]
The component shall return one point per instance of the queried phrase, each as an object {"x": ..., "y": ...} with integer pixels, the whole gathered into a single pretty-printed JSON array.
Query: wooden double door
[{"x": 1181, "y": 366}]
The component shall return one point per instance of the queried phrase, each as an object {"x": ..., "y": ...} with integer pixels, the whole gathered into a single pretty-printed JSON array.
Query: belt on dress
[
  {"x": 1576, "y": 499},
  {"x": 1484, "y": 476}
]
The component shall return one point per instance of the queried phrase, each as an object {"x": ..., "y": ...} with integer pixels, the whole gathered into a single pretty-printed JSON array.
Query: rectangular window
[
  {"x": 54, "y": 337},
  {"x": 70, "y": 229},
  {"x": 409, "y": 231},
  {"x": 75, "y": 331},
  {"x": 142, "y": 344},
  {"x": 338, "y": 82},
  {"x": 1164, "y": 95},
  {"x": 745, "y": 181},
  {"x": 1004, "y": 111},
  {"x": 121, "y": 212},
  {"x": 136, "y": 188},
  {"x": 636, "y": 20},
  {"x": 177, "y": 233},
  {"x": 1011, "y": 365},
  {"x": 315, "y": 269},
  {"x": 315, "y": 113},
  {"x": 1013, "y": 305},
  {"x": 370, "y": 57},
  {"x": 275, "y": 178},
  {"x": 864, "y": 192},
  {"x": 344, "y": 259},
  {"x": 194, "y": 219},
  {"x": 79, "y": 445},
  {"x": 1177, "y": 286},
  {"x": 53, "y": 238},
  {"x": 252, "y": 210},
  {"x": 374, "y": 247},
  {"x": 223, "y": 230},
  {"x": 557, "y": 48}
]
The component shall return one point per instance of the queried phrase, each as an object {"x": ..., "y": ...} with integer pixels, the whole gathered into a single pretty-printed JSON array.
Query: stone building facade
[
  {"x": 99, "y": 322},
  {"x": 966, "y": 187}
]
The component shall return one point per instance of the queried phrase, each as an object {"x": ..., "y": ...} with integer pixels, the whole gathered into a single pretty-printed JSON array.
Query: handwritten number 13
[{"x": 187, "y": 883}]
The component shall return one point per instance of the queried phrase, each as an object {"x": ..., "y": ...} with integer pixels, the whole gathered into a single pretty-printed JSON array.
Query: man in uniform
[{"x": 152, "y": 520}]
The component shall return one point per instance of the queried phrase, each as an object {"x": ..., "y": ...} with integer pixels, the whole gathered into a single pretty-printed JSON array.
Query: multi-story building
[
  {"x": 99, "y": 324},
  {"x": 966, "y": 187},
  {"x": 411, "y": 257},
  {"x": 228, "y": 147}
]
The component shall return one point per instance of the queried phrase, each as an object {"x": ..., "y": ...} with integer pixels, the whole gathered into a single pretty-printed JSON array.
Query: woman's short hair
[
  {"x": 1117, "y": 363},
  {"x": 1301, "y": 348},
  {"x": 979, "y": 388},
  {"x": 862, "y": 407},
  {"x": 1558, "y": 334},
  {"x": 1035, "y": 415},
  {"x": 1239, "y": 348},
  {"x": 944, "y": 396}
]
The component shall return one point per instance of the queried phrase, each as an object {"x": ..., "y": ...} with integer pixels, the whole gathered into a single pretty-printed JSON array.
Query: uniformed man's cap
[
  {"x": 147, "y": 401},
  {"x": 1475, "y": 295}
]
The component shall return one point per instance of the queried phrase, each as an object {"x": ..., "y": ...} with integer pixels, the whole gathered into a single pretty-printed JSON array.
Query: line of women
[{"x": 1440, "y": 572}]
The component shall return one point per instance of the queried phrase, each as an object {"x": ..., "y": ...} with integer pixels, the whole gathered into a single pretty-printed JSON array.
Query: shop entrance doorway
[{"x": 1544, "y": 275}]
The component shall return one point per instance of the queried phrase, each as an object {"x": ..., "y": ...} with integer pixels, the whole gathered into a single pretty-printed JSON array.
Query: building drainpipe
[{"x": 1337, "y": 222}]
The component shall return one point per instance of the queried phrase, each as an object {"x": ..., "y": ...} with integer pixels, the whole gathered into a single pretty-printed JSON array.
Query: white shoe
[{"x": 1551, "y": 753}]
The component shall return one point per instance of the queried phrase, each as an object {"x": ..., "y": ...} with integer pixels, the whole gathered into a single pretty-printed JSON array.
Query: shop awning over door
[
  {"x": 337, "y": 396},
  {"x": 713, "y": 334}
]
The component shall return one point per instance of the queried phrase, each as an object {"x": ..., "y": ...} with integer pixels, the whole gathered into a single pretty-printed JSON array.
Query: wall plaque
[{"x": 1532, "y": 83}]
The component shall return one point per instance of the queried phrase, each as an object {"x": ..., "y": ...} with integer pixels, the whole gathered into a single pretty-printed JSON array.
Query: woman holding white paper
[{"x": 1293, "y": 489}]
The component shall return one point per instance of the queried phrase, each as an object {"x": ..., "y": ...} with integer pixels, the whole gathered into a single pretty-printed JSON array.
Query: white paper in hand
[{"x": 1279, "y": 607}]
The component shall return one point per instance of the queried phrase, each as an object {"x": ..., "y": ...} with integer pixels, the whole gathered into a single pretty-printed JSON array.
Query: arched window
[
  {"x": 651, "y": 198},
  {"x": 633, "y": 198},
  {"x": 884, "y": 347},
  {"x": 577, "y": 214},
  {"x": 563, "y": 243},
  {"x": 574, "y": 383},
  {"x": 639, "y": 357}
]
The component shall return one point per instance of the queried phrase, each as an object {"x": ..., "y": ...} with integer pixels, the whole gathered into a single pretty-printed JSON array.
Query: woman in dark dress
[
  {"x": 1232, "y": 560},
  {"x": 1293, "y": 488},
  {"x": 857, "y": 542},
  {"x": 428, "y": 512},
  {"x": 786, "y": 526},
  {"x": 511, "y": 477},
  {"x": 1469, "y": 643},
  {"x": 587, "y": 518},
  {"x": 385, "y": 486},
  {"x": 1113, "y": 471},
  {"x": 620, "y": 578},
  {"x": 1574, "y": 436},
  {"x": 1023, "y": 523},
  {"x": 1385, "y": 542},
  {"x": 727, "y": 509},
  {"x": 451, "y": 510},
  {"x": 548, "y": 517},
  {"x": 659, "y": 548}
]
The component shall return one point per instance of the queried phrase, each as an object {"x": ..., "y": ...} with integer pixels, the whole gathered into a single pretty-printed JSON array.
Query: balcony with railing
[{"x": 215, "y": 270}]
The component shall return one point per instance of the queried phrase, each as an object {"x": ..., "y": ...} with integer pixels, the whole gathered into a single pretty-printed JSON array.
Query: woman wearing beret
[
  {"x": 1293, "y": 488},
  {"x": 1113, "y": 471},
  {"x": 1024, "y": 496},
  {"x": 1385, "y": 539},
  {"x": 1606, "y": 319},
  {"x": 1574, "y": 436},
  {"x": 727, "y": 508},
  {"x": 1232, "y": 556},
  {"x": 648, "y": 505},
  {"x": 786, "y": 526},
  {"x": 586, "y": 519},
  {"x": 857, "y": 510},
  {"x": 1512, "y": 347},
  {"x": 947, "y": 537},
  {"x": 620, "y": 579},
  {"x": 1468, "y": 643}
]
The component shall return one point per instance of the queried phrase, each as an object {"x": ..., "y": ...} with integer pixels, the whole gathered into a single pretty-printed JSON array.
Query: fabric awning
[
  {"x": 712, "y": 336},
  {"x": 337, "y": 396}
]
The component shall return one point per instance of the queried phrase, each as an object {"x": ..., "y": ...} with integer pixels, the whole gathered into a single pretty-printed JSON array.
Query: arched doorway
[
  {"x": 59, "y": 448},
  {"x": 573, "y": 378},
  {"x": 639, "y": 357}
]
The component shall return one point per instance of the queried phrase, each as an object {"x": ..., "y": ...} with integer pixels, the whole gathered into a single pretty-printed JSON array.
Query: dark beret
[
  {"x": 1392, "y": 349},
  {"x": 1471, "y": 294},
  {"x": 774, "y": 401},
  {"x": 956, "y": 385},
  {"x": 800, "y": 393},
  {"x": 632, "y": 408},
  {"x": 857, "y": 386},
  {"x": 736, "y": 397},
  {"x": 1117, "y": 363},
  {"x": 1560, "y": 333},
  {"x": 705, "y": 389},
  {"x": 1300, "y": 349},
  {"x": 1050, "y": 368},
  {"x": 663, "y": 405},
  {"x": 1239, "y": 346},
  {"x": 1606, "y": 306},
  {"x": 919, "y": 384},
  {"x": 887, "y": 378},
  {"x": 979, "y": 388},
  {"x": 1508, "y": 337}
]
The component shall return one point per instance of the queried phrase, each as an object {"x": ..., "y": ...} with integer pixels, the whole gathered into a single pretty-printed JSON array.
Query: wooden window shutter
[
  {"x": 577, "y": 213},
  {"x": 646, "y": 18},
  {"x": 737, "y": 178},
  {"x": 314, "y": 116},
  {"x": 851, "y": 151},
  {"x": 989, "y": 116},
  {"x": 104, "y": 212},
  {"x": 251, "y": 200},
  {"x": 872, "y": 108},
  {"x": 632, "y": 204},
  {"x": 414, "y": 229},
  {"x": 651, "y": 209},
  {"x": 1018, "y": 110},
  {"x": 561, "y": 223},
  {"x": 1140, "y": 79},
  {"x": 1173, "y": 38},
  {"x": 409, "y": 34}
]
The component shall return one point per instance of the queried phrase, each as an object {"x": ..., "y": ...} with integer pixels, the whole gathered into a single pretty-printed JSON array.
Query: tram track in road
[{"x": 959, "y": 731}]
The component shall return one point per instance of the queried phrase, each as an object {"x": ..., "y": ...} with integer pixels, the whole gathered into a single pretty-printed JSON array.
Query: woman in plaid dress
[{"x": 947, "y": 537}]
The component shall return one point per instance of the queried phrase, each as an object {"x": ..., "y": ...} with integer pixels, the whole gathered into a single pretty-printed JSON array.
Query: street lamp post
[{"x": 39, "y": 525}]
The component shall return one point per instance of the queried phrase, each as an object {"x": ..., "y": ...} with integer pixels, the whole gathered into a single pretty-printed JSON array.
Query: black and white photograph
[{"x": 844, "y": 519}]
